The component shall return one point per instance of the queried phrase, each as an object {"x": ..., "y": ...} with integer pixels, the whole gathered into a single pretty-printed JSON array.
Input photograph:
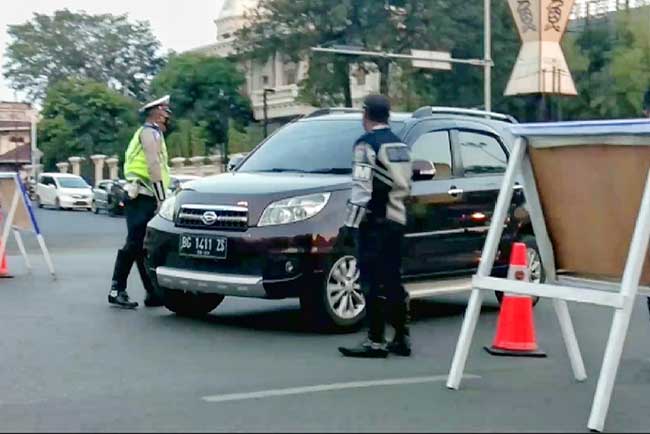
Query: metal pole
[
  {"x": 618, "y": 332},
  {"x": 34, "y": 148},
  {"x": 266, "y": 116},
  {"x": 488, "y": 56},
  {"x": 485, "y": 266},
  {"x": 475, "y": 62}
]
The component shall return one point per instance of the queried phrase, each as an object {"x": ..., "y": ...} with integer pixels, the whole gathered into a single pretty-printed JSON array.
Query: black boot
[
  {"x": 121, "y": 299},
  {"x": 152, "y": 299},
  {"x": 117, "y": 295},
  {"x": 367, "y": 349},
  {"x": 401, "y": 343},
  {"x": 375, "y": 345}
]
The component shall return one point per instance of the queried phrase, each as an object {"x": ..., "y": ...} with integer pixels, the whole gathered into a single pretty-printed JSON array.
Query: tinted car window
[
  {"x": 436, "y": 148},
  {"x": 481, "y": 154},
  {"x": 72, "y": 183},
  {"x": 323, "y": 146}
]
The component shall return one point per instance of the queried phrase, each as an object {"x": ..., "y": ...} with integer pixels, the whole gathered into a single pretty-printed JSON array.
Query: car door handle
[{"x": 453, "y": 191}]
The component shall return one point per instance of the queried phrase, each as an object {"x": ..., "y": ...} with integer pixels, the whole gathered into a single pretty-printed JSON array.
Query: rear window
[{"x": 322, "y": 146}]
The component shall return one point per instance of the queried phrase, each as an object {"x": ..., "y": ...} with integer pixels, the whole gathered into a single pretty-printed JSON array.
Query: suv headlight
[
  {"x": 294, "y": 209},
  {"x": 167, "y": 209}
]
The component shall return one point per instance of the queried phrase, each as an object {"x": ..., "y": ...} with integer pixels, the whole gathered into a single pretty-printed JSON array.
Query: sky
[{"x": 178, "y": 24}]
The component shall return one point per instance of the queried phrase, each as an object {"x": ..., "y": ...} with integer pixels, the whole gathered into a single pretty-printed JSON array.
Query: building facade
[
  {"x": 15, "y": 135},
  {"x": 279, "y": 75}
]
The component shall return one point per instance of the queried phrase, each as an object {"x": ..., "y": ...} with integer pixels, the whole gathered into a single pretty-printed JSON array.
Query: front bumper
[
  {"x": 273, "y": 262},
  {"x": 75, "y": 202},
  {"x": 211, "y": 283}
]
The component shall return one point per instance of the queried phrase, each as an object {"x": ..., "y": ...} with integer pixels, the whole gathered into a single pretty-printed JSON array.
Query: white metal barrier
[
  {"x": 624, "y": 144},
  {"x": 16, "y": 206}
]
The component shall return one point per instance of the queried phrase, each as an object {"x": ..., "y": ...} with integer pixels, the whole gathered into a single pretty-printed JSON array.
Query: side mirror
[
  {"x": 423, "y": 170},
  {"x": 233, "y": 163}
]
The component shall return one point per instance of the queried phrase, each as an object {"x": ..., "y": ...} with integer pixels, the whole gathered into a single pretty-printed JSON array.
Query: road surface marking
[{"x": 329, "y": 387}]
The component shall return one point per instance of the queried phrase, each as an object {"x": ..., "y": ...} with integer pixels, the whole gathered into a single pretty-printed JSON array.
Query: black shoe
[
  {"x": 152, "y": 300},
  {"x": 367, "y": 349},
  {"x": 401, "y": 346},
  {"x": 121, "y": 299}
]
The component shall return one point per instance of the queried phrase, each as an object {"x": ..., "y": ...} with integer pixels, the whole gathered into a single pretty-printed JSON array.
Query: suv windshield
[
  {"x": 323, "y": 146},
  {"x": 72, "y": 183}
]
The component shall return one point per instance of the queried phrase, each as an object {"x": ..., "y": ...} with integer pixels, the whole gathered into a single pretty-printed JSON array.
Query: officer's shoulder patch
[
  {"x": 398, "y": 153},
  {"x": 360, "y": 152},
  {"x": 155, "y": 132},
  {"x": 363, "y": 153}
]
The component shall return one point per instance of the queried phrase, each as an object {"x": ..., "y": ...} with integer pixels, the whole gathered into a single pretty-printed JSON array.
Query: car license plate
[{"x": 200, "y": 246}]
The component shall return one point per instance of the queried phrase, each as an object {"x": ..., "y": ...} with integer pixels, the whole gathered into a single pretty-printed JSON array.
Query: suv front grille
[{"x": 213, "y": 217}]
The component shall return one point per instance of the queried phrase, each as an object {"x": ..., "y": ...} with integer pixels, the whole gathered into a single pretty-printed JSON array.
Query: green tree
[
  {"x": 82, "y": 117},
  {"x": 244, "y": 140},
  {"x": 187, "y": 140},
  {"x": 104, "y": 48},
  {"x": 462, "y": 33},
  {"x": 292, "y": 27},
  {"x": 205, "y": 93},
  {"x": 610, "y": 61}
]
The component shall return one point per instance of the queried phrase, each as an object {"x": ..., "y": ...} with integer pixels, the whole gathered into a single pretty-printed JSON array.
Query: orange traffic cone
[
  {"x": 4, "y": 270},
  {"x": 515, "y": 328}
]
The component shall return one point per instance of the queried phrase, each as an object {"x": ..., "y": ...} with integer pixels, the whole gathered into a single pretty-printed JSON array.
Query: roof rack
[
  {"x": 332, "y": 110},
  {"x": 429, "y": 110}
]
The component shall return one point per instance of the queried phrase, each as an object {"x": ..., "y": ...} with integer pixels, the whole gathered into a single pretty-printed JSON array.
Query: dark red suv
[{"x": 271, "y": 228}]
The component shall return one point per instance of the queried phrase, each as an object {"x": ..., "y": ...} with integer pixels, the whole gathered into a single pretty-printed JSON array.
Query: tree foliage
[
  {"x": 205, "y": 94},
  {"x": 82, "y": 117},
  {"x": 294, "y": 26},
  {"x": 74, "y": 45},
  {"x": 609, "y": 59},
  {"x": 187, "y": 140},
  {"x": 611, "y": 64}
]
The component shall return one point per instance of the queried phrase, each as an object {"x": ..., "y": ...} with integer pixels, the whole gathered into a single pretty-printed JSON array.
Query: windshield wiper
[
  {"x": 279, "y": 170},
  {"x": 332, "y": 171}
]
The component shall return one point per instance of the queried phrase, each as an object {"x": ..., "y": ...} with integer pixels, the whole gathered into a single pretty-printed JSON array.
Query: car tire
[
  {"x": 336, "y": 302},
  {"x": 537, "y": 274},
  {"x": 57, "y": 204},
  {"x": 189, "y": 304},
  {"x": 94, "y": 208},
  {"x": 39, "y": 204}
]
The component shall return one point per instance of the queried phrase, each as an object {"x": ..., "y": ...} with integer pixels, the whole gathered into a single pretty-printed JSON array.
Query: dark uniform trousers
[
  {"x": 139, "y": 212},
  {"x": 380, "y": 259}
]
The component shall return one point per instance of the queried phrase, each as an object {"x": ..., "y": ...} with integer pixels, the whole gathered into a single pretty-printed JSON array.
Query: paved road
[{"x": 68, "y": 362}]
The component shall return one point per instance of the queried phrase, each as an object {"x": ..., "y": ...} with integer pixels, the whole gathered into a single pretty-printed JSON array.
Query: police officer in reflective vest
[
  {"x": 147, "y": 172},
  {"x": 382, "y": 171}
]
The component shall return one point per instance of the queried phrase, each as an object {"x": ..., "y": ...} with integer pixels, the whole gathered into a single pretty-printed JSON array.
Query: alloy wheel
[{"x": 344, "y": 289}]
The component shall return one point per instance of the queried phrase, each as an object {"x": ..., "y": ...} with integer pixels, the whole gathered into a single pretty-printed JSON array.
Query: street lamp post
[
  {"x": 487, "y": 22},
  {"x": 266, "y": 92},
  {"x": 486, "y": 62}
]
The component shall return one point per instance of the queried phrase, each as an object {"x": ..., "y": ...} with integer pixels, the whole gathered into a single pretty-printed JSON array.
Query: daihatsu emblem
[{"x": 209, "y": 218}]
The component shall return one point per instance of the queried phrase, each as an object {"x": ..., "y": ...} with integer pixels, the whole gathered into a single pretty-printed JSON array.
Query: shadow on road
[
  {"x": 423, "y": 310},
  {"x": 289, "y": 319}
]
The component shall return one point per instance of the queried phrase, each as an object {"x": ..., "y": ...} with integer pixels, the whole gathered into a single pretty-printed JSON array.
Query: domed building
[{"x": 279, "y": 75}]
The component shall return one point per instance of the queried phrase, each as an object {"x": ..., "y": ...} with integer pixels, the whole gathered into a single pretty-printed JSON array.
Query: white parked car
[{"x": 63, "y": 191}]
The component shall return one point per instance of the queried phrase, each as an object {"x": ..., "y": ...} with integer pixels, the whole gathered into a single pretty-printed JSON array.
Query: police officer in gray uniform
[{"x": 382, "y": 171}]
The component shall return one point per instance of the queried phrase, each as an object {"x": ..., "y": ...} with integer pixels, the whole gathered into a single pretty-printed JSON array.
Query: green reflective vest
[{"x": 135, "y": 163}]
